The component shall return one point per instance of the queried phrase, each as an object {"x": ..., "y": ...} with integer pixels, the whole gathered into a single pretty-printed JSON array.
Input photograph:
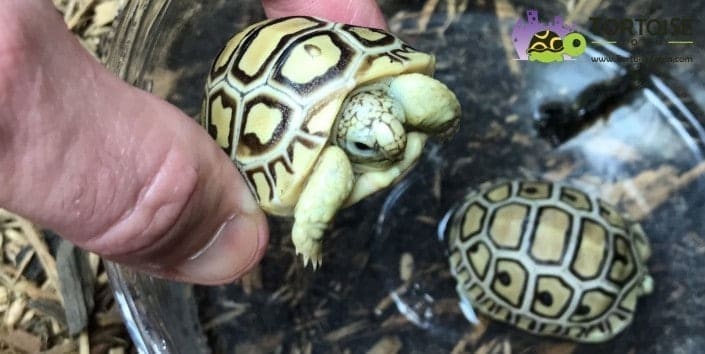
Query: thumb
[
  {"x": 357, "y": 12},
  {"x": 114, "y": 169}
]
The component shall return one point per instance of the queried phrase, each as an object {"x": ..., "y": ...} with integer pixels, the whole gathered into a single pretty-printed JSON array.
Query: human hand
[
  {"x": 116, "y": 170},
  {"x": 357, "y": 12}
]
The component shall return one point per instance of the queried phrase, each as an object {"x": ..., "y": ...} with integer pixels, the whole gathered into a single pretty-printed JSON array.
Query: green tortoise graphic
[{"x": 547, "y": 46}]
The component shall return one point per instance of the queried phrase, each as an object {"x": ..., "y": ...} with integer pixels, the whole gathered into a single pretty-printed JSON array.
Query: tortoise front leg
[
  {"x": 373, "y": 181},
  {"x": 327, "y": 188}
]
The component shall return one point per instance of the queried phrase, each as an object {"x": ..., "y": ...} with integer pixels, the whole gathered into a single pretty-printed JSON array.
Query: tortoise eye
[{"x": 362, "y": 146}]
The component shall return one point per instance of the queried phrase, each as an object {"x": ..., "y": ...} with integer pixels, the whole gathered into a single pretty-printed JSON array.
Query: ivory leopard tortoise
[{"x": 317, "y": 115}]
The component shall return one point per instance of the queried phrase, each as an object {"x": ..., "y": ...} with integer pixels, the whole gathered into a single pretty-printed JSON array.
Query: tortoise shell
[
  {"x": 274, "y": 92},
  {"x": 549, "y": 259},
  {"x": 545, "y": 41}
]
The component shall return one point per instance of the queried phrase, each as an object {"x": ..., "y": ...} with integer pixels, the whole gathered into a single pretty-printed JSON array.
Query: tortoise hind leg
[{"x": 327, "y": 188}]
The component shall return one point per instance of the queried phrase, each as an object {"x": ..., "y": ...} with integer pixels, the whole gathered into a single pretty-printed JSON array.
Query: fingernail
[
  {"x": 247, "y": 203},
  {"x": 242, "y": 195},
  {"x": 231, "y": 253}
]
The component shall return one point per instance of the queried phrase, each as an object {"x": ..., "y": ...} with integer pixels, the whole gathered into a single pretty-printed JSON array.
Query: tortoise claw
[
  {"x": 310, "y": 252},
  {"x": 308, "y": 244},
  {"x": 316, "y": 262}
]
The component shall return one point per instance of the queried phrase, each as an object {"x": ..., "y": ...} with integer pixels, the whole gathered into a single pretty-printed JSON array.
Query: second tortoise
[{"x": 547, "y": 258}]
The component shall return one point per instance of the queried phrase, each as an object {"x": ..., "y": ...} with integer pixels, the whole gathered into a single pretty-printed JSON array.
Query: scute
[
  {"x": 552, "y": 296},
  {"x": 510, "y": 280},
  {"x": 264, "y": 121},
  {"x": 547, "y": 258},
  {"x": 480, "y": 257},
  {"x": 474, "y": 218},
  {"x": 221, "y": 109},
  {"x": 262, "y": 47},
  {"x": 369, "y": 37},
  {"x": 551, "y": 235},
  {"x": 313, "y": 63},
  {"x": 276, "y": 87},
  {"x": 590, "y": 251},
  {"x": 508, "y": 226}
]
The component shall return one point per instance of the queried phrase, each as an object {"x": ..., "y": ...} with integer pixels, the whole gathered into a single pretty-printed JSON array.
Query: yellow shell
[
  {"x": 549, "y": 259},
  {"x": 274, "y": 92}
]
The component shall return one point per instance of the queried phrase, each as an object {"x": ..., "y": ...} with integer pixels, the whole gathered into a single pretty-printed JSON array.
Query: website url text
[{"x": 642, "y": 59}]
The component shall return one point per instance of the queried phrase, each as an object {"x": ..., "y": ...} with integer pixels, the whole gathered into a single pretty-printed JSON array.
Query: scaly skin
[
  {"x": 429, "y": 106},
  {"x": 424, "y": 106},
  {"x": 373, "y": 120},
  {"x": 373, "y": 181},
  {"x": 380, "y": 135},
  {"x": 327, "y": 188}
]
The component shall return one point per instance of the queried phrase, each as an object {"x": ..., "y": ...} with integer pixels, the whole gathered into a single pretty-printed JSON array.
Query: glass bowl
[{"x": 628, "y": 128}]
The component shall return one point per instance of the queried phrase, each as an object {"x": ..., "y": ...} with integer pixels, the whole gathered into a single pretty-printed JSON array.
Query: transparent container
[{"x": 629, "y": 132}]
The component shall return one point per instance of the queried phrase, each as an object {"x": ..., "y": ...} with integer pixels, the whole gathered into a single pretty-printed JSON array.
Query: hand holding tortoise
[{"x": 117, "y": 170}]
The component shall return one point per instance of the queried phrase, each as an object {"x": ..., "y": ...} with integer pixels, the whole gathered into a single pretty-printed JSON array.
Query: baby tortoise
[
  {"x": 318, "y": 115},
  {"x": 547, "y": 258}
]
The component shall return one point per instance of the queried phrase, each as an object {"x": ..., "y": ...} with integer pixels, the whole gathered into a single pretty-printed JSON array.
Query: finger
[
  {"x": 111, "y": 168},
  {"x": 357, "y": 12}
]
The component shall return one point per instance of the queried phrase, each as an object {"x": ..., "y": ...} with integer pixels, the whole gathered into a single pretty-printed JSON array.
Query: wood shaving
[
  {"x": 449, "y": 10},
  {"x": 31, "y": 306},
  {"x": 346, "y": 331},
  {"x": 406, "y": 266},
  {"x": 386, "y": 345},
  {"x": 659, "y": 184},
  {"x": 505, "y": 12}
]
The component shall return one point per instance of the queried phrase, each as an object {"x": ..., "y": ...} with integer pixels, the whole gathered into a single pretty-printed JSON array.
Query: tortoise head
[
  {"x": 370, "y": 129},
  {"x": 375, "y": 120}
]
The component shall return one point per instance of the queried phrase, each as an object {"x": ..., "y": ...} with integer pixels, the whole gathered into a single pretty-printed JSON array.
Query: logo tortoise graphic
[
  {"x": 547, "y": 46},
  {"x": 546, "y": 43}
]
